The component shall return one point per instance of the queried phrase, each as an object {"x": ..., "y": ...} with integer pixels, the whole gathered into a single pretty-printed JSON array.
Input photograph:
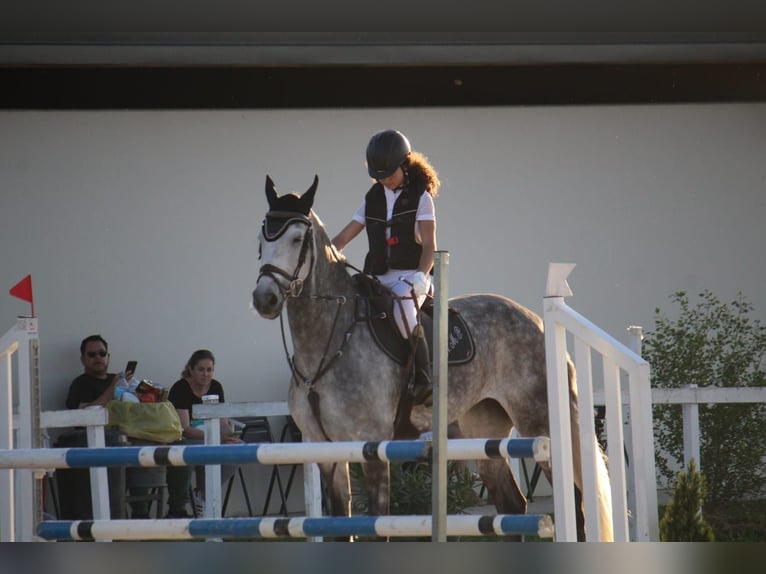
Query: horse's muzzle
[{"x": 268, "y": 298}]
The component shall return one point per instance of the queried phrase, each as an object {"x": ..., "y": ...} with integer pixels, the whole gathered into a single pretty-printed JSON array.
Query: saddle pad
[
  {"x": 459, "y": 339},
  {"x": 377, "y": 310}
]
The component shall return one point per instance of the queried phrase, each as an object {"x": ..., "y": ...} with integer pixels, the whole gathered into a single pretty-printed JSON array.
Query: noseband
[{"x": 274, "y": 226}]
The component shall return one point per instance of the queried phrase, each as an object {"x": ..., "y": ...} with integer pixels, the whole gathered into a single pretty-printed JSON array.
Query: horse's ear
[
  {"x": 307, "y": 199},
  {"x": 271, "y": 192}
]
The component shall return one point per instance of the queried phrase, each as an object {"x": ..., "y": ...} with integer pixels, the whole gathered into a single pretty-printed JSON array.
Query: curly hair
[{"x": 418, "y": 169}]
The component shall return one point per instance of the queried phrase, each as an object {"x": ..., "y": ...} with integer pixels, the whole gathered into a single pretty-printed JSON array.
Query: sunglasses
[{"x": 92, "y": 354}]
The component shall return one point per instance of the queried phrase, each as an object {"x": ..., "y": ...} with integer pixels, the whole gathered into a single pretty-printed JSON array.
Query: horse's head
[{"x": 286, "y": 249}]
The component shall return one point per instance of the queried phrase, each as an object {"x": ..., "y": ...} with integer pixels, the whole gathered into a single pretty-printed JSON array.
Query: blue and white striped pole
[
  {"x": 298, "y": 527},
  {"x": 268, "y": 453}
]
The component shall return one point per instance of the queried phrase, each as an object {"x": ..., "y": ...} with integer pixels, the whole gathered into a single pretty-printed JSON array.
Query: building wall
[{"x": 143, "y": 225}]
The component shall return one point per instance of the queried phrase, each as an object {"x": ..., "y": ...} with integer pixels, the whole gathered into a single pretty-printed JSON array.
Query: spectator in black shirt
[
  {"x": 95, "y": 387},
  {"x": 197, "y": 381}
]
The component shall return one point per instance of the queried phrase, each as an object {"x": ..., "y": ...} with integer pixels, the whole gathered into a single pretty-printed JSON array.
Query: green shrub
[
  {"x": 712, "y": 344},
  {"x": 682, "y": 520},
  {"x": 411, "y": 486}
]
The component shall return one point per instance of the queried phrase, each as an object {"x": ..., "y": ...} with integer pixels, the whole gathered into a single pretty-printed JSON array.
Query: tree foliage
[{"x": 712, "y": 344}]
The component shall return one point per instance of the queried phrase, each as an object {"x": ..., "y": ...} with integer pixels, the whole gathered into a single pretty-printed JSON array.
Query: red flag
[{"x": 23, "y": 290}]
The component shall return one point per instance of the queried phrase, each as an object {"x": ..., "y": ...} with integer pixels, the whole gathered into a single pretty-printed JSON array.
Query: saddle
[{"x": 377, "y": 310}]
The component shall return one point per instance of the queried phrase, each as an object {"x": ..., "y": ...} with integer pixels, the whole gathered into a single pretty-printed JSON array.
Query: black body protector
[{"x": 400, "y": 250}]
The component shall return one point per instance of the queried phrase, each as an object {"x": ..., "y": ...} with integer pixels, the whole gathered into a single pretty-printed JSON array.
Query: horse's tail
[
  {"x": 604, "y": 496},
  {"x": 603, "y": 483}
]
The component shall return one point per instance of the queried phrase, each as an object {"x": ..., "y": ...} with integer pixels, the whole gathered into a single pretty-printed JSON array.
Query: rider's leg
[
  {"x": 406, "y": 317},
  {"x": 423, "y": 386}
]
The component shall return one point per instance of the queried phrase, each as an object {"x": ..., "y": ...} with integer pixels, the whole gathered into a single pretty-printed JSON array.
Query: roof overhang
[{"x": 371, "y": 48}]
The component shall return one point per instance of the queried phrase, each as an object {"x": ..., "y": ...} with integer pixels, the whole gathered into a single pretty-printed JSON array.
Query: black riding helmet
[{"x": 386, "y": 151}]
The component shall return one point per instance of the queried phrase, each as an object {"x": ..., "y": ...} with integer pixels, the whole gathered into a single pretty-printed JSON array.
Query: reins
[
  {"x": 294, "y": 289},
  {"x": 323, "y": 367}
]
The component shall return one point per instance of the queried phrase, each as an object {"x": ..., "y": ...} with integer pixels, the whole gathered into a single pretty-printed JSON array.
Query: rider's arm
[
  {"x": 352, "y": 229},
  {"x": 427, "y": 228}
]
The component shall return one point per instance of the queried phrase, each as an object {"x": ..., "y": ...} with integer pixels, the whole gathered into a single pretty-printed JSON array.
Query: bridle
[{"x": 274, "y": 226}]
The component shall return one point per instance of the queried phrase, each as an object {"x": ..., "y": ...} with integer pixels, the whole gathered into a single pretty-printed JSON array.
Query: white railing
[
  {"x": 94, "y": 419},
  {"x": 21, "y": 342},
  {"x": 641, "y": 488},
  {"x": 211, "y": 414},
  {"x": 690, "y": 397}
]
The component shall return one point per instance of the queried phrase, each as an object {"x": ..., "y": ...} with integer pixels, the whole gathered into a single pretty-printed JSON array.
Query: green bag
[{"x": 157, "y": 422}]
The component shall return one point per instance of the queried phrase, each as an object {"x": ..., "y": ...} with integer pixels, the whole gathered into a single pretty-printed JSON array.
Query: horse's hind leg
[
  {"x": 503, "y": 489},
  {"x": 488, "y": 420}
]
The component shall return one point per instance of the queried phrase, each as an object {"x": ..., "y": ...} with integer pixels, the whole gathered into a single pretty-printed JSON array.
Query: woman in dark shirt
[{"x": 197, "y": 381}]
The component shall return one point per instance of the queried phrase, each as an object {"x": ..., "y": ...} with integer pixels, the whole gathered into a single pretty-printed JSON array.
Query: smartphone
[{"x": 131, "y": 367}]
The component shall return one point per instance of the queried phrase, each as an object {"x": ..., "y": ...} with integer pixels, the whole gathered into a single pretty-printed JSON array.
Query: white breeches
[{"x": 405, "y": 308}]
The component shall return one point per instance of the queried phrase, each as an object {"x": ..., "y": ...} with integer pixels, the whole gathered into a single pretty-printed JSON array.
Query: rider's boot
[{"x": 422, "y": 388}]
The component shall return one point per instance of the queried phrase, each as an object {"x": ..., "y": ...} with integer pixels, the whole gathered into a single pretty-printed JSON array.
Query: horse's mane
[{"x": 324, "y": 245}]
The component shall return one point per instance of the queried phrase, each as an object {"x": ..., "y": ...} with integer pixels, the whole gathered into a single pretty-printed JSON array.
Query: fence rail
[
  {"x": 634, "y": 489},
  {"x": 690, "y": 397}
]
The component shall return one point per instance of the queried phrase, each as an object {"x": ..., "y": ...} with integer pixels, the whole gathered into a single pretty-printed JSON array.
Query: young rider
[{"x": 398, "y": 214}]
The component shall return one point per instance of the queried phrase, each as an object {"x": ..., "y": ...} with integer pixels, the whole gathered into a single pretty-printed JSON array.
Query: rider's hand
[{"x": 420, "y": 284}]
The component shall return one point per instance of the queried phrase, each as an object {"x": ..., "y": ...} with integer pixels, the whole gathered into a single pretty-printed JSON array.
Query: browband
[{"x": 276, "y": 223}]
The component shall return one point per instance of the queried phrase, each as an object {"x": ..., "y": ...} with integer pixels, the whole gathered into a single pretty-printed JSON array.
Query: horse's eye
[
  {"x": 298, "y": 239},
  {"x": 260, "y": 251}
]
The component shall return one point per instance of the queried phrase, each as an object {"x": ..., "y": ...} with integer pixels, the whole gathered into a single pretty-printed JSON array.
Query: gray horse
[{"x": 344, "y": 388}]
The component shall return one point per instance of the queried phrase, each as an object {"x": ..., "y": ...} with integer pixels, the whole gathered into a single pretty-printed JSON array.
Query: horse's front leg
[
  {"x": 338, "y": 488},
  {"x": 378, "y": 479}
]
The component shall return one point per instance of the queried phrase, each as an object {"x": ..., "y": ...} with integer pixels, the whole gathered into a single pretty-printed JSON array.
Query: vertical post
[
  {"x": 588, "y": 446},
  {"x": 99, "y": 475},
  {"x": 635, "y": 338},
  {"x": 25, "y": 333},
  {"x": 558, "y": 402},
  {"x": 37, "y": 430},
  {"x": 560, "y": 424},
  {"x": 7, "y": 497},
  {"x": 212, "y": 472},
  {"x": 691, "y": 424},
  {"x": 647, "y": 521},
  {"x": 312, "y": 487},
  {"x": 440, "y": 419},
  {"x": 615, "y": 449}
]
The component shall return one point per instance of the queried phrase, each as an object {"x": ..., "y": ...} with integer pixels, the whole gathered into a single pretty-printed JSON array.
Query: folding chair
[
  {"x": 145, "y": 485},
  {"x": 255, "y": 430},
  {"x": 244, "y": 491},
  {"x": 290, "y": 433},
  {"x": 236, "y": 425}
]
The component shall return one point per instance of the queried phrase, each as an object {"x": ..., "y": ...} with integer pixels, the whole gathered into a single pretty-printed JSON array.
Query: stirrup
[
  {"x": 421, "y": 390},
  {"x": 424, "y": 396}
]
